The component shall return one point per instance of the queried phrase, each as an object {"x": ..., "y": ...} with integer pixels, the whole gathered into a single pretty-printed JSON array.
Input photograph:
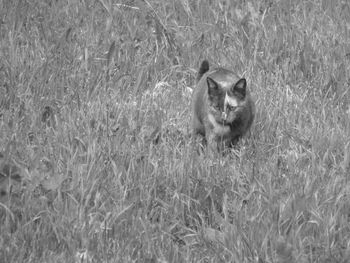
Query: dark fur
[{"x": 202, "y": 69}]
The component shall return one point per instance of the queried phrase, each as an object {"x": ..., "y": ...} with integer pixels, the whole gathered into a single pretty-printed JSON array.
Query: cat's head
[{"x": 225, "y": 102}]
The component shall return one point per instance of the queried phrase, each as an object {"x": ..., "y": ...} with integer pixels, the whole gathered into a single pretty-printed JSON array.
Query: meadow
[{"x": 97, "y": 163}]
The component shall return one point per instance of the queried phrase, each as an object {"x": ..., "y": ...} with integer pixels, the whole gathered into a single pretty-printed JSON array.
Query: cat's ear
[
  {"x": 213, "y": 87},
  {"x": 240, "y": 87}
]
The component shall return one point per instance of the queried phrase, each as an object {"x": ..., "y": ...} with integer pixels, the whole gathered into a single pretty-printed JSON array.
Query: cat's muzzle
[{"x": 224, "y": 115}]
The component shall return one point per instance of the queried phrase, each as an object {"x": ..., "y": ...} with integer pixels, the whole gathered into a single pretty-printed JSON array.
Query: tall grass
[{"x": 97, "y": 164}]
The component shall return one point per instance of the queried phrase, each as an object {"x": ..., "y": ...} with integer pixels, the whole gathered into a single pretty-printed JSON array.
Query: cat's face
[{"x": 226, "y": 103}]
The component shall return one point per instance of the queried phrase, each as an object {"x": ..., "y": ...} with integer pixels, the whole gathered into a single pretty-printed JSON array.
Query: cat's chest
[{"x": 217, "y": 128}]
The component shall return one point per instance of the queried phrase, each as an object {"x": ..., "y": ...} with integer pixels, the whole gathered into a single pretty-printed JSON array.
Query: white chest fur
[{"x": 219, "y": 129}]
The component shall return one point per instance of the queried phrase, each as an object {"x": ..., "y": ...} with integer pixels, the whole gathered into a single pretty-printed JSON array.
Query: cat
[{"x": 222, "y": 107}]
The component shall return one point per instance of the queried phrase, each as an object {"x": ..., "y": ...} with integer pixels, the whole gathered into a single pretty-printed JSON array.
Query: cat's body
[{"x": 222, "y": 108}]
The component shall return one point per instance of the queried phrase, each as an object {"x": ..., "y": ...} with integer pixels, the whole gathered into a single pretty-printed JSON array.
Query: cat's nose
[{"x": 224, "y": 115}]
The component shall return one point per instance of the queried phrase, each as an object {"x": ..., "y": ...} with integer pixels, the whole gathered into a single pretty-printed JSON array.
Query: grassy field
[{"x": 96, "y": 160}]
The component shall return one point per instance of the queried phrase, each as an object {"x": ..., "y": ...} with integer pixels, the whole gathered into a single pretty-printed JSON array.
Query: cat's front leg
[{"x": 212, "y": 145}]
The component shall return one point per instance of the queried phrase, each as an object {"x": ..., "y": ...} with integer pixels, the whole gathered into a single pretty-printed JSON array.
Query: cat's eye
[
  {"x": 217, "y": 107},
  {"x": 231, "y": 108}
]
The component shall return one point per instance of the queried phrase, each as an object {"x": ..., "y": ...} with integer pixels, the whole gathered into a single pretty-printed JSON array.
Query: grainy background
[{"x": 96, "y": 162}]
